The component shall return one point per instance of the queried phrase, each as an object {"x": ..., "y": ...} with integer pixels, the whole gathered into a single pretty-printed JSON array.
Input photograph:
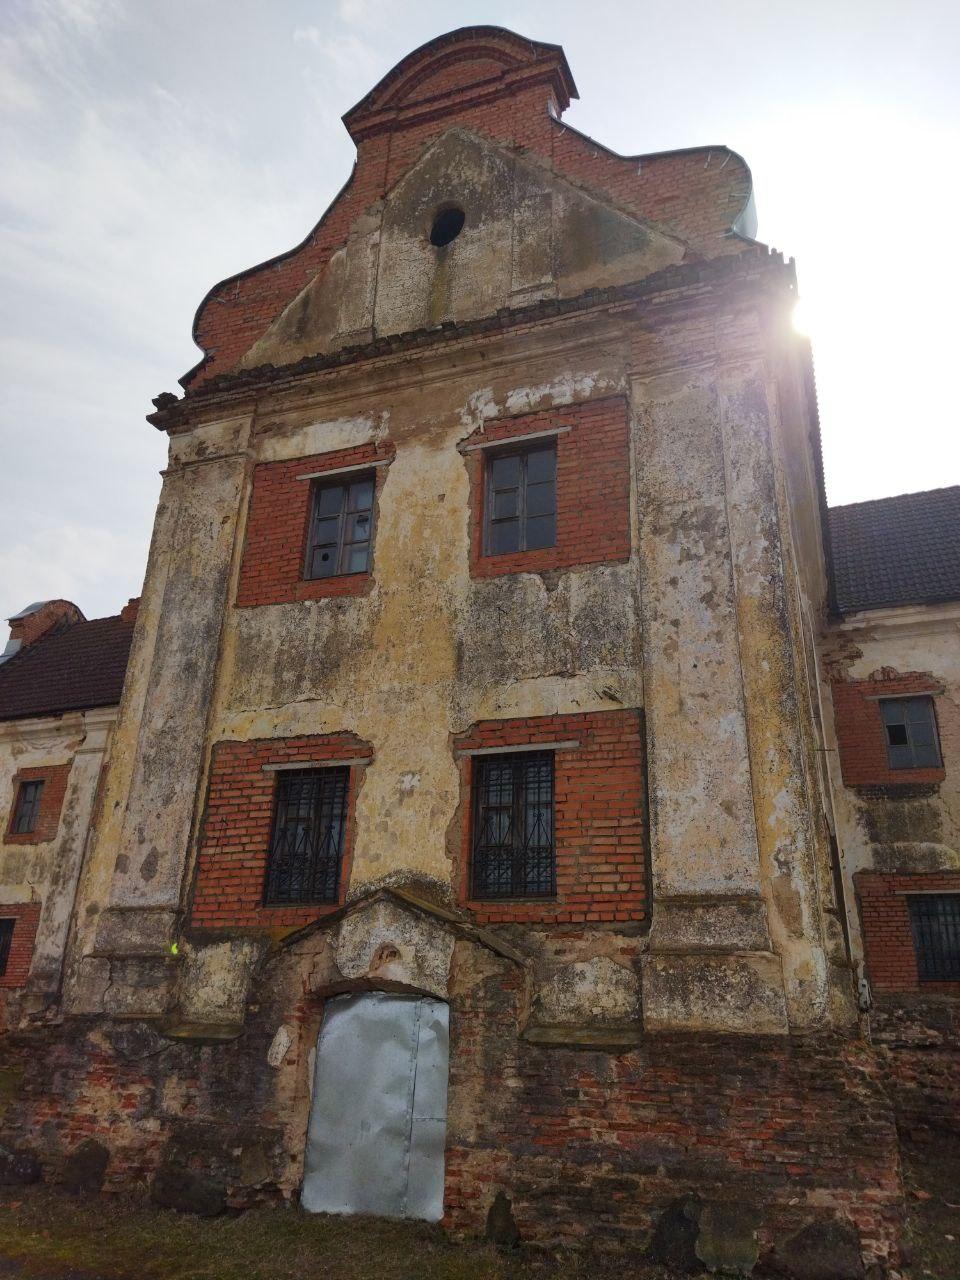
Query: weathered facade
[
  {"x": 493, "y": 531},
  {"x": 891, "y": 674},
  {"x": 60, "y": 683}
]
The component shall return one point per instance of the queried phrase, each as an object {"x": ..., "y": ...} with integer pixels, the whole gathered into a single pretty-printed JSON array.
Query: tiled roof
[
  {"x": 67, "y": 670},
  {"x": 897, "y": 551}
]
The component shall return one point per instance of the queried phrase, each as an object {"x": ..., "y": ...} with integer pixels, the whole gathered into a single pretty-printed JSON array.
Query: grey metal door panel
[
  {"x": 377, "y": 1128},
  {"x": 428, "y": 1132}
]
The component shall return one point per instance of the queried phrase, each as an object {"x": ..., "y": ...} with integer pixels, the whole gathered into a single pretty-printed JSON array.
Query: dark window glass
[
  {"x": 27, "y": 809},
  {"x": 6, "y": 937},
  {"x": 341, "y": 528},
  {"x": 308, "y": 831},
  {"x": 513, "y": 843},
  {"x": 911, "y": 729},
  {"x": 521, "y": 500},
  {"x": 935, "y": 920}
]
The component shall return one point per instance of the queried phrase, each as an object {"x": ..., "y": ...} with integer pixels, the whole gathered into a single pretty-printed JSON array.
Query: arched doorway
[{"x": 378, "y": 1117}]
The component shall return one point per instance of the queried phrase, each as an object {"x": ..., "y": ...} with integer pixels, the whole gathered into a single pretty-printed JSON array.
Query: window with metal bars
[
  {"x": 306, "y": 847},
  {"x": 911, "y": 729},
  {"x": 341, "y": 527},
  {"x": 521, "y": 500},
  {"x": 6, "y": 938},
  {"x": 935, "y": 921},
  {"x": 27, "y": 809},
  {"x": 513, "y": 854}
]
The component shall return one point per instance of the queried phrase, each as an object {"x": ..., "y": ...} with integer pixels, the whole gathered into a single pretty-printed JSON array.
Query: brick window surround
[
  {"x": 238, "y": 824},
  {"x": 27, "y": 917},
  {"x": 54, "y": 778},
  {"x": 887, "y": 932},
  {"x": 862, "y": 736},
  {"x": 600, "y": 817},
  {"x": 274, "y": 552},
  {"x": 593, "y": 485}
]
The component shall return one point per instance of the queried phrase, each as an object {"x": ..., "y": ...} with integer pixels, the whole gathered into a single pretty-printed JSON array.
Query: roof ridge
[{"x": 894, "y": 497}]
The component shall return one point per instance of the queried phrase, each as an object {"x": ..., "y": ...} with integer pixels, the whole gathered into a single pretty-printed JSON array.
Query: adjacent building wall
[{"x": 39, "y": 871}]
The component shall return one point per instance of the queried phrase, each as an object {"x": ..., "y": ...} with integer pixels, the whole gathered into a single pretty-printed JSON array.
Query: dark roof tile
[
  {"x": 67, "y": 670},
  {"x": 897, "y": 551}
]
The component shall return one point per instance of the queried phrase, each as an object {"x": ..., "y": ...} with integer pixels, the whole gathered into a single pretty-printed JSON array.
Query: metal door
[{"x": 379, "y": 1115}]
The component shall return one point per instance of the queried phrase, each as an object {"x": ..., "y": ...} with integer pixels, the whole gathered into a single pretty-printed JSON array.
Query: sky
[{"x": 149, "y": 148}]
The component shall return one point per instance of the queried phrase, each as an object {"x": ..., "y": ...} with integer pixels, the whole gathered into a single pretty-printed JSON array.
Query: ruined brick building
[{"x": 506, "y": 765}]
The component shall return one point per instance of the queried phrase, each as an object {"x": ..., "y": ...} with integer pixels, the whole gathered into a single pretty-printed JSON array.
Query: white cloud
[{"x": 72, "y": 562}]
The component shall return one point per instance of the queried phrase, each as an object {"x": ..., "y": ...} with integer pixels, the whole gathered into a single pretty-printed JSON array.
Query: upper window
[
  {"x": 935, "y": 920},
  {"x": 521, "y": 500},
  {"x": 306, "y": 847},
  {"x": 6, "y": 938},
  {"x": 341, "y": 528},
  {"x": 513, "y": 852},
  {"x": 911, "y": 728},
  {"x": 27, "y": 809}
]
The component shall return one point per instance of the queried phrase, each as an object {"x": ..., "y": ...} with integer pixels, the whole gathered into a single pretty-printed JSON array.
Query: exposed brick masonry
[
  {"x": 54, "y": 777},
  {"x": 271, "y": 571},
  {"x": 590, "y": 1147},
  {"x": 235, "y": 837},
  {"x": 861, "y": 737},
  {"x": 27, "y": 916},
  {"x": 593, "y": 487},
  {"x": 887, "y": 935},
  {"x": 600, "y": 817}
]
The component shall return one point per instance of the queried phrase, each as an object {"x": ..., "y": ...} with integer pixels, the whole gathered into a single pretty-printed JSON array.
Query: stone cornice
[
  {"x": 905, "y": 620},
  {"x": 679, "y": 286},
  {"x": 40, "y": 729}
]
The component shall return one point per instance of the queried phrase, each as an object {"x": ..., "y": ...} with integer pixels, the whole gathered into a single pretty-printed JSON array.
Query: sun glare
[{"x": 801, "y": 317}]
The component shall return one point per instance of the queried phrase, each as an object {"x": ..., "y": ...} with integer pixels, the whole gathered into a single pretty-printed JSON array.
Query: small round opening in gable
[{"x": 447, "y": 225}]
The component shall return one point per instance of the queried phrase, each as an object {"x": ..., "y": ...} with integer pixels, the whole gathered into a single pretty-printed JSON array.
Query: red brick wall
[
  {"x": 591, "y": 1147},
  {"x": 887, "y": 936},
  {"x": 274, "y": 551},
  {"x": 54, "y": 778},
  {"x": 861, "y": 737},
  {"x": 600, "y": 817},
  {"x": 27, "y": 916},
  {"x": 237, "y": 822},
  {"x": 593, "y": 487}
]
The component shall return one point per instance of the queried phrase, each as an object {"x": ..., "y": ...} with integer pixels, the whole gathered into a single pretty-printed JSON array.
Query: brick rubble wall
[
  {"x": 236, "y": 828},
  {"x": 600, "y": 817},
  {"x": 592, "y": 1146},
  {"x": 917, "y": 1039},
  {"x": 593, "y": 487}
]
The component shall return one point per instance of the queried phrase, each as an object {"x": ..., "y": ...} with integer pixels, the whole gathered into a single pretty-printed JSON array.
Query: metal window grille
[
  {"x": 513, "y": 833},
  {"x": 341, "y": 528},
  {"x": 521, "y": 500},
  {"x": 308, "y": 833},
  {"x": 28, "y": 807},
  {"x": 911, "y": 728},
  {"x": 935, "y": 920},
  {"x": 6, "y": 938}
]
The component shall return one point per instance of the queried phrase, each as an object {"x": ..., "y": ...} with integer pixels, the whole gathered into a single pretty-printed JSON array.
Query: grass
[{"x": 47, "y": 1234}]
